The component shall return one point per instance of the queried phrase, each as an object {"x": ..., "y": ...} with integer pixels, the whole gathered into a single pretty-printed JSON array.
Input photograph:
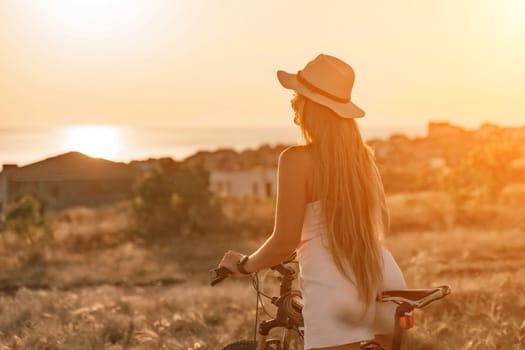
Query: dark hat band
[{"x": 319, "y": 91}]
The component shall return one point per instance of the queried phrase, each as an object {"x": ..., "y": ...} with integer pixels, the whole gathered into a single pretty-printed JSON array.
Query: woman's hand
[{"x": 230, "y": 260}]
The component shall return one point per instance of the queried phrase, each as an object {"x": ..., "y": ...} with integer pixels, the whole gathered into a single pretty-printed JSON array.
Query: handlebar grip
[
  {"x": 217, "y": 280},
  {"x": 220, "y": 274}
]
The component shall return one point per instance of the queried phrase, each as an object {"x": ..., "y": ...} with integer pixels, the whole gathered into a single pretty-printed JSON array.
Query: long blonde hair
[{"x": 350, "y": 189}]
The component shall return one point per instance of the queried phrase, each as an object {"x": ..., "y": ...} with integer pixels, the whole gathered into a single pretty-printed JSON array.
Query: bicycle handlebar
[{"x": 222, "y": 272}]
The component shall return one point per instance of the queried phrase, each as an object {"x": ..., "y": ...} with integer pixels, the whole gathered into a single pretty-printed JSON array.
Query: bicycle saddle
[{"x": 417, "y": 298}]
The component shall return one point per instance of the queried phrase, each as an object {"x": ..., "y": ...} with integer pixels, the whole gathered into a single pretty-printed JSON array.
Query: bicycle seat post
[{"x": 404, "y": 320}]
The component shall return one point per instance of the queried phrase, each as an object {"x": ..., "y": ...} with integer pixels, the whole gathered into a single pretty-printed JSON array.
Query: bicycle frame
[{"x": 283, "y": 318}]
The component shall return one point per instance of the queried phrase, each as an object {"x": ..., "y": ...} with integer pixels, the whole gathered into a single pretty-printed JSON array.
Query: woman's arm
[{"x": 289, "y": 215}]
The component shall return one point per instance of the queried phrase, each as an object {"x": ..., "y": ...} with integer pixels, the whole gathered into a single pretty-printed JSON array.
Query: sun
[{"x": 93, "y": 140}]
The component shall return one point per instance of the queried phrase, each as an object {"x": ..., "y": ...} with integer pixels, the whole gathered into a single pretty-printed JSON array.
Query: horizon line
[{"x": 244, "y": 126}]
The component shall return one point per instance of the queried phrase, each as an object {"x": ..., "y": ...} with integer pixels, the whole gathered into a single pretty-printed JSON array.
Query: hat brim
[{"x": 345, "y": 110}]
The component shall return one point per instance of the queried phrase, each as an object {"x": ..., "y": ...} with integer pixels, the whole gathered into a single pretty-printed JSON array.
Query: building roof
[{"x": 72, "y": 165}]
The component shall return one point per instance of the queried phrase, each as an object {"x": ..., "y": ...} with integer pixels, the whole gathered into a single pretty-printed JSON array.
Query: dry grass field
[{"x": 96, "y": 287}]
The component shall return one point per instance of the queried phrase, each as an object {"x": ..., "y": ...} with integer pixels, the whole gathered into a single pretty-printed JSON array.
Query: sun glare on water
[{"x": 94, "y": 140}]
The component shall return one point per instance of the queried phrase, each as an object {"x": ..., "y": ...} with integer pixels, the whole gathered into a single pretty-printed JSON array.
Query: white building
[
  {"x": 256, "y": 182},
  {"x": 67, "y": 180}
]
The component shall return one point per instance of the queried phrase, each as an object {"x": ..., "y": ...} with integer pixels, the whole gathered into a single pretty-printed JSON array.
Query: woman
[{"x": 331, "y": 208}]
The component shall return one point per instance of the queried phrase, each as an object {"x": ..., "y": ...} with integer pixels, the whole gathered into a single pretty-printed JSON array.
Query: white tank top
[{"x": 313, "y": 224}]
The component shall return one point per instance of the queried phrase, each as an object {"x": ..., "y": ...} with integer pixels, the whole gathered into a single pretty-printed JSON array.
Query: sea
[{"x": 24, "y": 146}]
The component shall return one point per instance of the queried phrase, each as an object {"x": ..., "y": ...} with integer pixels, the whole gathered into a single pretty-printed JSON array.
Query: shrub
[
  {"x": 482, "y": 174},
  {"x": 420, "y": 211},
  {"x": 248, "y": 214},
  {"x": 174, "y": 199},
  {"x": 26, "y": 217}
]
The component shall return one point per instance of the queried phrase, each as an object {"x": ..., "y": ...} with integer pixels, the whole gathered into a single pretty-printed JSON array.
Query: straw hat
[{"x": 326, "y": 80}]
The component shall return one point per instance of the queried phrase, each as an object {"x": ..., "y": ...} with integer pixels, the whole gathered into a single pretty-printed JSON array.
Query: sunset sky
[{"x": 213, "y": 63}]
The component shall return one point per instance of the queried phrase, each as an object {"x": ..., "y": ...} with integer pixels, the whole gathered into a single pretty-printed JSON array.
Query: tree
[
  {"x": 174, "y": 199},
  {"x": 27, "y": 216}
]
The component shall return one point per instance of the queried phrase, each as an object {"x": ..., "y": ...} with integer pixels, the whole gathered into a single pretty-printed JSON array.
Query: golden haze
[{"x": 205, "y": 62}]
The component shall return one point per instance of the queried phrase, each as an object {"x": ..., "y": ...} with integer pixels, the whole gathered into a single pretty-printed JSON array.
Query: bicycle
[{"x": 289, "y": 307}]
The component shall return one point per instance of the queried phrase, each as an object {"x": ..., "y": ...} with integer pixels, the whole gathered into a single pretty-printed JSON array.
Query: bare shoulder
[
  {"x": 297, "y": 157},
  {"x": 295, "y": 172}
]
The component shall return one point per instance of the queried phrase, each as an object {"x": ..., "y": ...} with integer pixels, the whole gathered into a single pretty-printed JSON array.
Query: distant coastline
[
  {"x": 26, "y": 145},
  {"x": 407, "y": 164}
]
